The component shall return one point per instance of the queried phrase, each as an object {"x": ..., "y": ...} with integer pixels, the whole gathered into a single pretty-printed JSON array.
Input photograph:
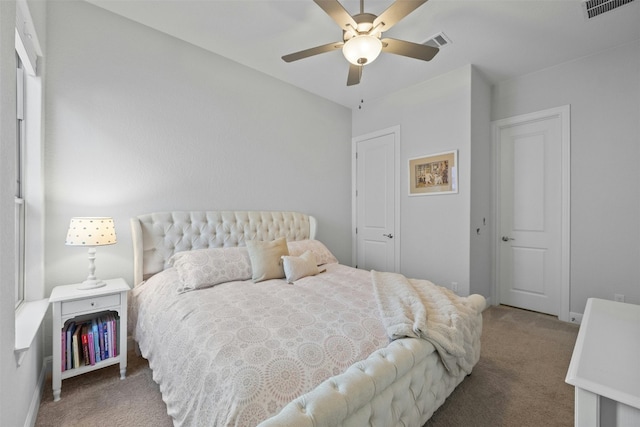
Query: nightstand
[{"x": 71, "y": 303}]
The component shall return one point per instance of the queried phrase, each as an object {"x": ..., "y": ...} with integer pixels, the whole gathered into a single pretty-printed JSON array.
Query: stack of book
[{"x": 90, "y": 341}]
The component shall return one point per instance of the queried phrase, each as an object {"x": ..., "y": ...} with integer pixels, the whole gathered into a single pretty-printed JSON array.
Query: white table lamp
[{"x": 91, "y": 232}]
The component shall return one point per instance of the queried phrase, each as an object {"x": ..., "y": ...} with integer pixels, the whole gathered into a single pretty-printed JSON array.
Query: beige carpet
[{"x": 519, "y": 381}]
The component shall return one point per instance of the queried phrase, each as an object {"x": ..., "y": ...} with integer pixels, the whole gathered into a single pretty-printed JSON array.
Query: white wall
[
  {"x": 7, "y": 191},
  {"x": 604, "y": 93},
  {"x": 138, "y": 121},
  {"x": 19, "y": 385},
  {"x": 434, "y": 116},
  {"x": 481, "y": 217}
]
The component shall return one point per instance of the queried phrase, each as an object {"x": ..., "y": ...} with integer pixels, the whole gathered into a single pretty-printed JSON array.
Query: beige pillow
[
  {"x": 322, "y": 253},
  {"x": 297, "y": 267},
  {"x": 202, "y": 268},
  {"x": 266, "y": 258}
]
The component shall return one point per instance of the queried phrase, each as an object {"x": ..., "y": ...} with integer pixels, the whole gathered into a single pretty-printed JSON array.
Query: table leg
[
  {"x": 587, "y": 410},
  {"x": 57, "y": 352}
]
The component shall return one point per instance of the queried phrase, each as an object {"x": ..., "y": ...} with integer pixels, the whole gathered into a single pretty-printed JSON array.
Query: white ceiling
[{"x": 502, "y": 38}]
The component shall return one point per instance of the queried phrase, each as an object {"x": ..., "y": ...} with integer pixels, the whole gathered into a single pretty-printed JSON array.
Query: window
[
  {"x": 19, "y": 194},
  {"x": 28, "y": 187},
  {"x": 30, "y": 303}
]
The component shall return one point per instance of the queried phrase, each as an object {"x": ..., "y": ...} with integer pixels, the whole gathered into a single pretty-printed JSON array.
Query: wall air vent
[
  {"x": 593, "y": 8},
  {"x": 440, "y": 40}
]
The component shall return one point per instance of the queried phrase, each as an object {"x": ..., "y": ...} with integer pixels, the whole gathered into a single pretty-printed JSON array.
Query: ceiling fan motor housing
[{"x": 365, "y": 24}]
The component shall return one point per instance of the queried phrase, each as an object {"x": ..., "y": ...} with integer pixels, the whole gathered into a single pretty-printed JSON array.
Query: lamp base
[{"x": 92, "y": 284}]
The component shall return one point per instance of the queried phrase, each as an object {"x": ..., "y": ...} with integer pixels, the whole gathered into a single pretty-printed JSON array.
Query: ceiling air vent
[
  {"x": 440, "y": 40},
  {"x": 593, "y": 8}
]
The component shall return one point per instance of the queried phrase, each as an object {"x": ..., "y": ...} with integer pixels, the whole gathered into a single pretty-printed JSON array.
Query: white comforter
[{"x": 236, "y": 353}]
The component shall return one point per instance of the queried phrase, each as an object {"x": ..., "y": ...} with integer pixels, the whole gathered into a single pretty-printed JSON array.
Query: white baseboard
[
  {"x": 32, "y": 415},
  {"x": 575, "y": 318}
]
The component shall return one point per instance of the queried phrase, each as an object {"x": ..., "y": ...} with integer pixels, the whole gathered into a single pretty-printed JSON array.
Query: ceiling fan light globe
[{"x": 361, "y": 50}]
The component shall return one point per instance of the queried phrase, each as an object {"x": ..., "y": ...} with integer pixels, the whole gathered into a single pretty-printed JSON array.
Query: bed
[{"x": 326, "y": 345}]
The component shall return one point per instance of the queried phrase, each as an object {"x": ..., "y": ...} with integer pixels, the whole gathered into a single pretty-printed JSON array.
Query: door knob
[
  {"x": 506, "y": 239},
  {"x": 388, "y": 235}
]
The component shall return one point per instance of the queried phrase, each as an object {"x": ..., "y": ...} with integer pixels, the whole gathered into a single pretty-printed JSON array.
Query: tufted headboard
[{"x": 157, "y": 236}]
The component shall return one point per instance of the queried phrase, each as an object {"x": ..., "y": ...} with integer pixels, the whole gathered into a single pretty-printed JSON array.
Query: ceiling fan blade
[
  {"x": 338, "y": 13},
  {"x": 396, "y": 12},
  {"x": 412, "y": 50},
  {"x": 355, "y": 74},
  {"x": 313, "y": 51}
]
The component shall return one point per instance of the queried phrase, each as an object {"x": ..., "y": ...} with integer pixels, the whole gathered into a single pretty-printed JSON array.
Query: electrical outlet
[
  {"x": 454, "y": 287},
  {"x": 575, "y": 318},
  {"x": 618, "y": 297}
]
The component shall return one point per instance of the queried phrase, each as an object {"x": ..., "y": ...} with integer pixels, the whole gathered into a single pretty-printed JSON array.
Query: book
[
  {"x": 76, "y": 345},
  {"x": 96, "y": 340},
  {"x": 110, "y": 335},
  {"x": 105, "y": 331},
  {"x": 101, "y": 337},
  {"x": 84, "y": 331},
  {"x": 69, "y": 353},
  {"x": 90, "y": 348}
]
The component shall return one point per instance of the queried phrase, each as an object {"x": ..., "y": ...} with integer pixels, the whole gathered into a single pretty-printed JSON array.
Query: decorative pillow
[
  {"x": 202, "y": 268},
  {"x": 322, "y": 253},
  {"x": 266, "y": 258},
  {"x": 297, "y": 267}
]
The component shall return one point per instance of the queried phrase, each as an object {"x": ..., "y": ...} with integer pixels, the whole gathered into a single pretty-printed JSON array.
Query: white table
[
  {"x": 69, "y": 302},
  {"x": 606, "y": 362}
]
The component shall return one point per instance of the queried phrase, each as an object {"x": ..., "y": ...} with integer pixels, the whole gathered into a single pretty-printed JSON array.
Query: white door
[
  {"x": 531, "y": 199},
  {"x": 376, "y": 239}
]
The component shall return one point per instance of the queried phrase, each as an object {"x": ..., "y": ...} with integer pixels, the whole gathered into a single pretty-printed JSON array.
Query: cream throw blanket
[{"x": 419, "y": 309}]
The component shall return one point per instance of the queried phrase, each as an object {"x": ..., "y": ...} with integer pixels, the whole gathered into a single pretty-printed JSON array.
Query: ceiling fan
[{"x": 362, "y": 36}]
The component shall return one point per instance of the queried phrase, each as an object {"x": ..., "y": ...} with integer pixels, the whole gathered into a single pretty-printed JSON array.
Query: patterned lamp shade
[{"x": 91, "y": 232}]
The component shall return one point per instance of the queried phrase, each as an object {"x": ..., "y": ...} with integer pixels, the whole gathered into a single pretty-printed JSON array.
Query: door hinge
[{"x": 356, "y": 230}]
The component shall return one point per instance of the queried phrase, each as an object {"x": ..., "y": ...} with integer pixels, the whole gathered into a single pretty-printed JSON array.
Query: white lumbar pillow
[{"x": 297, "y": 267}]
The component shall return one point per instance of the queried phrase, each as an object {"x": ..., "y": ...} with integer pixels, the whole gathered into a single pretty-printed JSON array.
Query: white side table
[
  {"x": 69, "y": 302},
  {"x": 605, "y": 363}
]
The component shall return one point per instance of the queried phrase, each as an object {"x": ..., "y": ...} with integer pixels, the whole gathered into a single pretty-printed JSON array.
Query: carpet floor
[{"x": 519, "y": 381}]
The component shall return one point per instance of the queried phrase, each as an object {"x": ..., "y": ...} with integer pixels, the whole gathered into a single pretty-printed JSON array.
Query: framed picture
[{"x": 434, "y": 174}]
